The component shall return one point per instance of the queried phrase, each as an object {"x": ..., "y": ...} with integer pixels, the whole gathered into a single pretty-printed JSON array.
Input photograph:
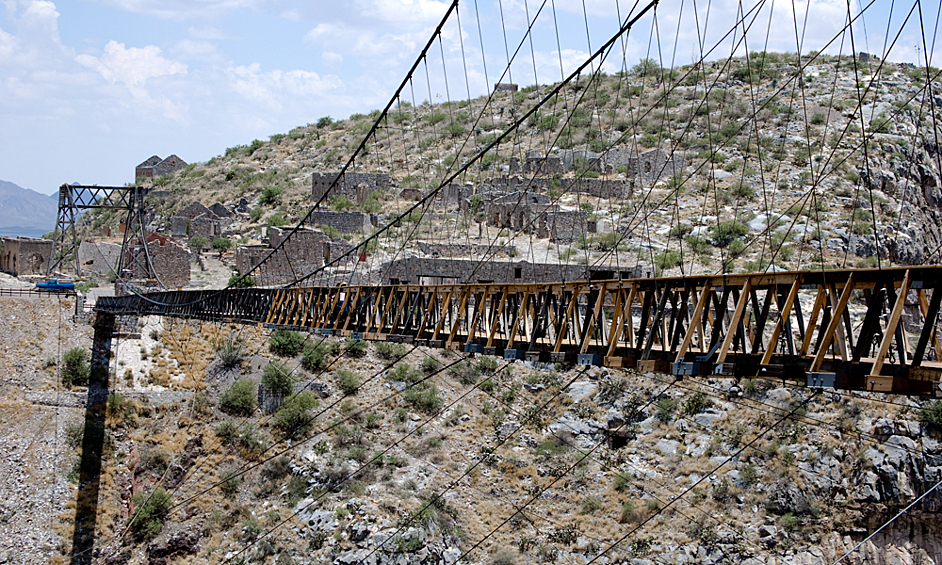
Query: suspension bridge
[{"x": 825, "y": 325}]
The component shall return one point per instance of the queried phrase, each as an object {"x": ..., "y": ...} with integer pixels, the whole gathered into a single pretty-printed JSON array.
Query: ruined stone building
[
  {"x": 98, "y": 258},
  {"x": 156, "y": 167},
  {"x": 169, "y": 259},
  {"x": 196, "y": 220},
  {"x": 344, "y": 222},
  {"x": 414, "y": 270},
  {"x": 533, "y": 212},
  {"x": 25, "y": 255},
  {"x": 649, "y": 167},
  {"x": 505, "y": 87},
  {"x": 355, "y": 186},
  {"x": 305, "y": 251}
]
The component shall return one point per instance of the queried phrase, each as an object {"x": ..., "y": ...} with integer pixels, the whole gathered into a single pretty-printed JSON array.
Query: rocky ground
[{"x": 534, "y": 463}]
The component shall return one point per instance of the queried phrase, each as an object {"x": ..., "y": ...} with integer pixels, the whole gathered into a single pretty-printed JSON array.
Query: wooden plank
[
  {"x": 785, "y": 313},
  {"x": 697, "y": 313},
  {"x": 930, "y": 311},
  {"x": 834, "y": 326},
  {"x": 812, "y": 321},
  {"x": 733, "y": 326},
  {"x": 890, "y": 331}
]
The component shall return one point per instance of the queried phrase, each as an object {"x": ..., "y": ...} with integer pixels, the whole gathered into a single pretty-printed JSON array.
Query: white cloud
[
  {"x": 209, "y": 33},
  {"x": 331, "y": 58},
  {"x": 410, "y": 12},
  {"x": 277, "y": 88},
  {"x": 131, "y": 66},
  {"x": 203, "y": 51},
  {"x": 183, "y": 9},
  {"x": 7, "y": 44}
]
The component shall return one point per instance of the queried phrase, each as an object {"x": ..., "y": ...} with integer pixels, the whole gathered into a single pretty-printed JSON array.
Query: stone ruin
[
  {"x": 533, "y": 212},
  {"x": 416, "y": 270},
  {"x": 25, "y": 255},
  {"x": 357, "y": 187},
  {"x": 649, "y": 167},
  {"x": 157, "y": 167},
  {"x": 196, "y": 220},
  {"x": 344, "y": 222},
  {"x": 98, "y": 258},
  {"x": 505, "y": 87},
  {"x": 305, "y": 251}
]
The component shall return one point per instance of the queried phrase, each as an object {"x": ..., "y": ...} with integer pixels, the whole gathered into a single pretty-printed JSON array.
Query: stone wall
[
  {"x": 99, "y": 258},
  {"x": 303, "y": 253},
  {"x": 154, "y": 166},
  {"x": 505, "y": 87},
  {"x": 532, "y": 212},
  {"x": 599, "y": 188},
  {"x": 415, "y": 270},
  {"x": 171, "y": 262},
  {"x": 25, "y": 255},
  {"x": 463, "y": 249},
  {"x": 345, "y": 222},
  {"x": 355, "y": 186},
  {"x": 649, "y": 166},
  {"x": 204, "y": 226}
]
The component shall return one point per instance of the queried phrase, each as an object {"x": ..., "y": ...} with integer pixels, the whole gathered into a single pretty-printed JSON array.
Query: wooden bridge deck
[{"x": 865, "y": 329}]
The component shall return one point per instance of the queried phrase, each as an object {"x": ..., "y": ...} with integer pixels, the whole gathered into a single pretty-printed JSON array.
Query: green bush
[
  {"x": 277, "y": 379},
  {"x": 294, "y": 418},
  {"x": 389, "y": 351},
  {"x": 286, "y": 343},
  {"x": 238, "y": 281},
  {"x": 239, "y": 399},
  {"x": 315, "y": 356},
  {"x": 151, "y": 510},
  {"x": 430, "y": 365},
  {"x": 270, "y": 195},
  {"x": 590, "y": 504},
  {"x": 696, "y": 403},
  {"x": 199, "y": 242},
  {"x": 75, "y": 369},
  {"x": 931, "y": 417},
  {"x": 725, "y": 232},
  {"x": 665, "y": 408},
  {"x": 355, "y": 347},
  {"x": 230, "y": 352},
  {"x": 348, "y": 381},
  {"x": 403, "y": 372},
  {"x": 424, "y": 397},
  {"x": 229, "y": 483}
]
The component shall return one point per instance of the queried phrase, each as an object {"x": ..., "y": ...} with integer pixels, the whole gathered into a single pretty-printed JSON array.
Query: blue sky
[{"x": 90, "y": 88}]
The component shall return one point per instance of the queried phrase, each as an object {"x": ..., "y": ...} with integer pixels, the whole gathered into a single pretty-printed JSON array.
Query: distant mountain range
[{"x": 26, "y": 212}]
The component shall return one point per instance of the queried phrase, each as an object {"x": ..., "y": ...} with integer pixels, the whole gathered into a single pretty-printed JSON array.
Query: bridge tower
[{"x": 74, "y": 199}]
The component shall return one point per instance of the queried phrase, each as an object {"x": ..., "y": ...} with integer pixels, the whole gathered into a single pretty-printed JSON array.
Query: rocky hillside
[
  {"x": 839, "y": 167},
  {"x": 283, "y": 448},
  {"x": 241, "y": 445}
]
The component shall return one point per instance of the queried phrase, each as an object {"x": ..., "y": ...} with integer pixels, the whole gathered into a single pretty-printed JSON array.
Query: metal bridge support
[
  {"x": 86, "y": 503},
  {"x": 74, "y": 198}
]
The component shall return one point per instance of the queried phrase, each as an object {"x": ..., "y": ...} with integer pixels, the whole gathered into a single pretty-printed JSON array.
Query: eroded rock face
[{"x": 913, "y": 179}]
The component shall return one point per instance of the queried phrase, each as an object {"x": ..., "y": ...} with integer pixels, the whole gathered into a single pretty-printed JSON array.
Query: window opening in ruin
[{"x": 518, "y": 272}]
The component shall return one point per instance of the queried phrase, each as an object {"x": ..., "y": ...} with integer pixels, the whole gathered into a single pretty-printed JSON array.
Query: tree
[
  {"x": 239, "y": 281},
  {"x": 294, "y": 417},
  {"x": 221, "y": 244},
  {"x": 199, "y": 242}
]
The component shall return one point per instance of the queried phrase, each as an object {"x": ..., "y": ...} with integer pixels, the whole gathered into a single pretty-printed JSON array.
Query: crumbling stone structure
[
  {"x": 344, "y": 222},
  {"x": 463, "y": 249},
  {"x": 649, "y": 166},
  {"x": 505, "y": 87},
  {"x": 533, "y": 212},
  {"x": 537, "y": 162},
  {"x": 301, "y": 254},
  {"x": 196, "y": 220},
  {"x": 355, "y": 186},
  {"x": 220, "y": 210},
  {"x": 169, "y": 259},
  {"x": 25, "y": 255},
  {"x": 156, "y": 167},
  {"x": 98, "y": 258},
  {"x": 414, "y": 270}
]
